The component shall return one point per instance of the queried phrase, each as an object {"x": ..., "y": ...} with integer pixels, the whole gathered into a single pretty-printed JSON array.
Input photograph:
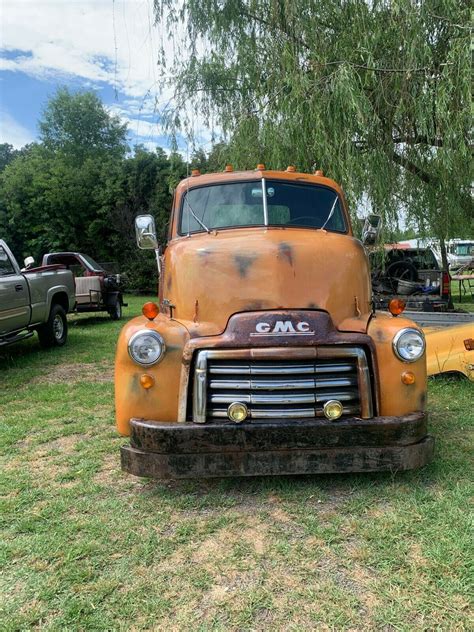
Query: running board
[{"x": 11, "y": 339}]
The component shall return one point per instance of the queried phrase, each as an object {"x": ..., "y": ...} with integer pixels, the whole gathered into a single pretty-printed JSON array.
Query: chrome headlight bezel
[
  {"x": 147, "y": 332},
  {"x": 396, "y": 343}
]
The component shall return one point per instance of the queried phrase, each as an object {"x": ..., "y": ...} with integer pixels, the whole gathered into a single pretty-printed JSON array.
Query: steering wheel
[{"x": 298, "y": 219}]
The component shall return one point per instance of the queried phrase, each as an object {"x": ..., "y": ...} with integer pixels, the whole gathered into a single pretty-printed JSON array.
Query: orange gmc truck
[{"x": 264, "y": 354}]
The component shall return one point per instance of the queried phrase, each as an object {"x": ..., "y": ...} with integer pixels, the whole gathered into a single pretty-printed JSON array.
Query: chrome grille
[{"x": 281, "y": 387}]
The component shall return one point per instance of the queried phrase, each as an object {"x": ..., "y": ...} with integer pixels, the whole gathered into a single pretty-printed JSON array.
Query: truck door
[{"x": 14, "y": 296}]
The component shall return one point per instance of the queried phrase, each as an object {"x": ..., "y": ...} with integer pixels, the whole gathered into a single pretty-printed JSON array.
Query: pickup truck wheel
[
  {"x": 54, "y": 332},
  {"x": 116, "y": 311}
]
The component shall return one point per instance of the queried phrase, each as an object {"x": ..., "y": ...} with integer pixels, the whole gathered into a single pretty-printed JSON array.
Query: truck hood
[{"x": 210, "y": 277}]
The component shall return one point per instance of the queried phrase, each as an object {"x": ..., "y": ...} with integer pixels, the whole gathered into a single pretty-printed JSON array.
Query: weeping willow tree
[{"x": 376, "y": 93}]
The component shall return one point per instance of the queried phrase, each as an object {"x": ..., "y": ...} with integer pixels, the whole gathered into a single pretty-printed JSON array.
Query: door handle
[{"x": 19, "y": 287}]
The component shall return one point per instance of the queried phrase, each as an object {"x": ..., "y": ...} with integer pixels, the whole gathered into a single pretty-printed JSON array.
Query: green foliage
[
  {"x": 375, "y": 93},
  {"x": 78, "y": 126},
  {"x": 79, "y": 190}
]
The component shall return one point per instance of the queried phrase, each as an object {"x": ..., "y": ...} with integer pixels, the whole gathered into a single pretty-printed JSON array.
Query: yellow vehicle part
[{"x": 450, "y": 349}]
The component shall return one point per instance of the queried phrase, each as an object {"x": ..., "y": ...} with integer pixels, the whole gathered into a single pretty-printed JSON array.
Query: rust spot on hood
[
  {"x": 285, "y": 250},
  {"x": 243, "y": 263}
]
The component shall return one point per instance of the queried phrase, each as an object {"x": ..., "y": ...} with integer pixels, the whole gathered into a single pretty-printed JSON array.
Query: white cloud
[
  {"x": 12, "y": 132},
  {"x": 94, "y": 43},
  {"x": 102, "y": 41}
]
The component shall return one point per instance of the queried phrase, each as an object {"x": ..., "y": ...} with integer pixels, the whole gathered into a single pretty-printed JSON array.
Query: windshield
[
  {"x": 243, "y": 204},
  {"x": 464, "y": 250},
  {"x": 92, "y": 264}
]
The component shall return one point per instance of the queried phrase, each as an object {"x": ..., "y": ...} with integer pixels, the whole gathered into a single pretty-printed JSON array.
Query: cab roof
[{"x": 257, "y": 174}]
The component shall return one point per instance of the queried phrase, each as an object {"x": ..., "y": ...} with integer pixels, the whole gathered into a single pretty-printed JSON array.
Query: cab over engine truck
[{"x": 264, "y": 355}]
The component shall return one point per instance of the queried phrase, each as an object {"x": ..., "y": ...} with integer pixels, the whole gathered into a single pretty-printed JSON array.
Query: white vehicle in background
[{"x": 460, "y": 253}]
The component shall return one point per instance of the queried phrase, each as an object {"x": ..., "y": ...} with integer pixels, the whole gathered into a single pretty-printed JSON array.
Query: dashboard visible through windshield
[{"x": 261, "y": 203}]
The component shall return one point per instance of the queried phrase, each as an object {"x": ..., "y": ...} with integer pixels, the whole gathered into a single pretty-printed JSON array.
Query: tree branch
[
  {"x": 418, "y": 139},
  {"x": 412, "y": 168}
]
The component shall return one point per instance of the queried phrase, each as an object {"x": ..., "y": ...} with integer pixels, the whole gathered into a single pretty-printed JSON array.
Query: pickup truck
[
  {"x": 34, "y": 299},
  {"x": 411, "y": 274}
]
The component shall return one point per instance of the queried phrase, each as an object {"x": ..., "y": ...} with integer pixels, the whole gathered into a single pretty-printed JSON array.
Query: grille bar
[
  {"x": 277, "y": 413},
  {"x": 290, "y": 398},
  {"x": 278, "y": 385},
  {"x": 281, "y": 383},
  {"x": 274, "y": 369}
]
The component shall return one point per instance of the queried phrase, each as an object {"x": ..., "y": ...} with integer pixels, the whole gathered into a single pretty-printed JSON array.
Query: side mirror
[
  {"x": 29, "y": 262},
  {"x": 372, "y": 229},
  {"x": 146, "y": 232}
]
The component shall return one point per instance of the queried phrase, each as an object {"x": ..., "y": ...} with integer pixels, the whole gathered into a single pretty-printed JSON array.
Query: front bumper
[{"x": 187, "y": 450}]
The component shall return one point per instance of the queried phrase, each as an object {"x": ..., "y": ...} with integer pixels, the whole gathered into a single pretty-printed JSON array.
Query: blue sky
[{"x": 109, "y": 46}]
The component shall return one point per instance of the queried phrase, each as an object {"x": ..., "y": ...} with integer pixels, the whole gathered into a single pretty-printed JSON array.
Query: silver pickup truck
[{"x": 34, "y": 299}]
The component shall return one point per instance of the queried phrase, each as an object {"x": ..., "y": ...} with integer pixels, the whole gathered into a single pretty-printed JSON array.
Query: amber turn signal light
[
  {"x": 229, "y": 168},
  {"x": 396, "y": 306},
  {"x": 150, "y": 310},
  {"x": 146, "y": 380},
  {"x": 260, "y": 166},
  {"x": 291, "y": 169},
  {"x": 408, "y": 377},
  {"x": 195, "y": 173}
]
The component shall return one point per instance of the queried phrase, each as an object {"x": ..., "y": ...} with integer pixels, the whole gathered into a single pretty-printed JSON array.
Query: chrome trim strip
[
  {"x": 265, "y": 202},
  {"x": 200, "y": 388}
]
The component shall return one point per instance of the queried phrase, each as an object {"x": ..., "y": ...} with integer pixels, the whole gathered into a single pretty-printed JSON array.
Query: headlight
[
  {"x": 146, "y": 347},
  {"x": 409, "y": 344}
]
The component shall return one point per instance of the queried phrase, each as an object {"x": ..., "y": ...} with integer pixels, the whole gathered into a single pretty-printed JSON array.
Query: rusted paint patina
[
  {"x": 216, "y": 290},
  {"x": 306, "y": 447}
]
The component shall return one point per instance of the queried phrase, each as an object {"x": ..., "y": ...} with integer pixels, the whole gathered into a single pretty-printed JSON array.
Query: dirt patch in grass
[{"x": 78, "y": 372}]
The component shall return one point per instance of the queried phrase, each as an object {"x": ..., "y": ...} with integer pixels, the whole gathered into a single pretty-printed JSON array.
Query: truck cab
[{"x": 264, "y": 354}]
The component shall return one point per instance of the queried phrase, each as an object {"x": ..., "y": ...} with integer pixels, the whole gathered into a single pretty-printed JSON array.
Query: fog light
[
  {"x": 408, "y": 377},
  {"x": 237, "y": 412},
  {"x": 333, "y": 409},
  {"x": 146, "y": 380}
]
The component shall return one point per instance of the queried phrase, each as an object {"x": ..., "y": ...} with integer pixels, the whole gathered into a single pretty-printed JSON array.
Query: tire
[
  {"x": 54, "y": 332},
  {"x": 116, "y": 311}
]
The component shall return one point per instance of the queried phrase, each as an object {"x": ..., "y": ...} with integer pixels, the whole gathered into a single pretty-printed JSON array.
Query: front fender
[
  {"x": 395, "y": 397},
  {"x": 162, "y": 400}
]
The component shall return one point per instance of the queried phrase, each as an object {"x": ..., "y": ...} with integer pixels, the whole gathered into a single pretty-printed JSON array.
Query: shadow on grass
[{"x": 335, "y": 488}]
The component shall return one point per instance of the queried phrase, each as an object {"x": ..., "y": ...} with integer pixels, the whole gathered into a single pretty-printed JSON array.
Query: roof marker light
[
  {"x": 291, "y": 169},
  {"x": 260, "y": 166},
  {"x": 195, "y": 172},
  {"x": 319, "y": 172},
  {"x": 228, "y": 168}
]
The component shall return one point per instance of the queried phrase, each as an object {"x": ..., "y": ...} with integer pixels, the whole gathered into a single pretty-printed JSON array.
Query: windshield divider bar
[{"x": 265, "y": 203}]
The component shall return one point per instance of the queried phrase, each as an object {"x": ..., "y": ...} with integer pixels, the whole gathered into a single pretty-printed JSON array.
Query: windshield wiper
[
  {"x": 331, "y": 213},
  {"x": 196, "y": 217}
]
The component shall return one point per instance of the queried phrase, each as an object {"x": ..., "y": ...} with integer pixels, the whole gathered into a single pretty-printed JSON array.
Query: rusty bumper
[{"x": 186, "y": 450}]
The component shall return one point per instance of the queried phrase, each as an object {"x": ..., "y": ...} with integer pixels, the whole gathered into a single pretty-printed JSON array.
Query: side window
[{"x": 6, "y": 266}]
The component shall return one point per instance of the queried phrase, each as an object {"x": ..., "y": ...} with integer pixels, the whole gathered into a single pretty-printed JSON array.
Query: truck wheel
[
  {"x": 116, "y": 311},
  {"x": 54, "y": 332}
]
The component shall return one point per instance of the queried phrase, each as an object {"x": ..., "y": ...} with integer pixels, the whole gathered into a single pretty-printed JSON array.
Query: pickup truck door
[{"x": 14, "y": 296}]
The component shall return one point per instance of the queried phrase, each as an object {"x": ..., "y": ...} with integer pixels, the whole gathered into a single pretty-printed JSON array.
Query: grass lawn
[{"x": 85, "y": 547}]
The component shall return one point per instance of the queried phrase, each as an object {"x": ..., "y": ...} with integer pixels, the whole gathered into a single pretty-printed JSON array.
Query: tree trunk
[{"x": 445, "y": 265}]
